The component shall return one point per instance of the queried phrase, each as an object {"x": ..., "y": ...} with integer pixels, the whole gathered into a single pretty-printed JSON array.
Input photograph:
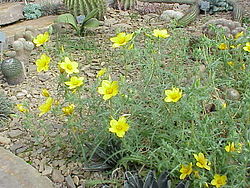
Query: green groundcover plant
[{"x": 164, "y": 101}]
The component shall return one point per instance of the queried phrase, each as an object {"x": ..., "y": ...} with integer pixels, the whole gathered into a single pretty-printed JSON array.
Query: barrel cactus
[
  {"x": 124, "y": 4},
  {"x": 13, "y": 71},
  {"x": 84, "y": 7}
]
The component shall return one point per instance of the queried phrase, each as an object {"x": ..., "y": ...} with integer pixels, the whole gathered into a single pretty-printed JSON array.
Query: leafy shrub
[{"x": 153, "y": 96}]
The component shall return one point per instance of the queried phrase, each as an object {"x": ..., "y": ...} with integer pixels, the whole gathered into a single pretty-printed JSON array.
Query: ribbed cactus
[
  {"x": 84, "y": 7},
  {"x": 13, "y": 71},
  {"x": 190, "y": 16},
  {"x": 124, "y": 4},
  {"x": 237, "y": 11}
]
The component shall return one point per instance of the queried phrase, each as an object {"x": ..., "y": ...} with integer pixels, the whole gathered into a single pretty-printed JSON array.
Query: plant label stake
[{"x": 2, "y": 41}]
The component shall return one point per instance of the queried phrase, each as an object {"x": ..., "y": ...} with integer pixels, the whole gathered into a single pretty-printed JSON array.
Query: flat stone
[
  {"x": 16, "y": 173},
  {"x": 57, "y": 176},
  {"x": 11, "y": 12},
  {"x": 16, "y": 146},
  {"x": 4, "y": 140},
  {"x": 47, "y": 171},
  {"x": 15, "y": 133},
  {"x": 40, "y": 24},
  {"x": 70, "y": 182}
]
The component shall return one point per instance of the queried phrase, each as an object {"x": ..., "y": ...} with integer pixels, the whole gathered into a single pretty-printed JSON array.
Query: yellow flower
[
  {"x": 238, "y": 35},
  {"x": 202, "y": 162},
  {"x": 247, "y": 47},
  {"x": 161, "y": 33},
  {"x": 101, "y": 72},
  {"x": 230, "y": 147},
  {"x": 21, "y": 108},
  {"x": 243, "y": 67},
  {"x": 41, "y": 39},
  {"x": 185, "y": 170},
  {"x": 45, "y": 93},
  {"x": 44, "y": 108},
  {"x": 224, "y": 105},
  {"x": 74, "y": 82},
  {"x": 67, "y": 110},
  {"x": 121, "y": 39},
  {"x": 119, "y": 127},
  {"x": 219, "y": 180},
  {"x": 223, "y": 46},
  {"x": 68, "y": 66},
  {"x": 108, "y": 89},
  {"x": 231, "y": 63},
  {"x": 173, "y": 95},
  {"x": 196, "y": 174},
  {"x": 43, "y": 63}
]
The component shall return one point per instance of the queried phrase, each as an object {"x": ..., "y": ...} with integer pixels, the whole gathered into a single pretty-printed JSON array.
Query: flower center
[
  {"x": 119, "y": 127},
  {"x": 109, "y": 91},
  {"x": 69, "y": 67},
  {"x": 121, "y": 40}
]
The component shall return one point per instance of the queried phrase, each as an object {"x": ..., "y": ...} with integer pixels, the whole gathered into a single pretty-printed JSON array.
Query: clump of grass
[{"x": 6, "y": 108}]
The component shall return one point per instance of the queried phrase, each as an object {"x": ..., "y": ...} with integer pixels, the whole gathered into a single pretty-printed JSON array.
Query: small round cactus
[{"x": 13, "y": 71}]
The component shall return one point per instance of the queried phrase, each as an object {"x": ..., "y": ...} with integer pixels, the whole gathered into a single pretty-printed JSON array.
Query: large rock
[
  {"x": 16, "y": 173},
  {"x": 11, "y": 12}
]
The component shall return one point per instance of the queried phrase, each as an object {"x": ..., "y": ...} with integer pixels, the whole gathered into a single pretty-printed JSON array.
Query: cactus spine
[
  {"x": 84, "y": 7},
  {"x": 190, "y": 16}
]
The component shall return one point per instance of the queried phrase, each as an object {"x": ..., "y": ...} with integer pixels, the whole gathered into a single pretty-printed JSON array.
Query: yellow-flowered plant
[
  {"x": 108, "y": 89},
  {"x": 43, "y": 63},
  {"x": 45, "y": 93},
  {"x": 163, "y": 33},
  {"x": 68, "y": 110},
  {"x": 202, "y": 162},
  {"x": 68, "y": 66},
  {"x": 46, "y": 107},
  {"x": 173, "y": 95},
  {"x": 74, "y": 82},
  {"x": 231, "y": 147},
  {"x": 223, "y": 46},
  {"x": 41, "y": 39},
  {"x": 219, "y": 180},
  {"x": 21, "y": 108},
  {"x": 101, "y": 72},
  {"x": 238, "y": 35},
  {"x": 247, "y": 47},
  {"x": 121, "y": 39},
  {"x": 119, "y": 127},
  {"x": 185, "y": 170}
]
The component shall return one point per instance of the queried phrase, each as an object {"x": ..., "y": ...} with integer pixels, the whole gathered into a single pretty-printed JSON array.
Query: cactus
[
  {"x": 13, "y": 71},
  {"x": 124, "y": 4},
  {"x": 190, "y": 16},
  {"x": 237, "y": 11},
  {"x": 84, "y": 7},
  {"x": 5, "y": 108}
]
